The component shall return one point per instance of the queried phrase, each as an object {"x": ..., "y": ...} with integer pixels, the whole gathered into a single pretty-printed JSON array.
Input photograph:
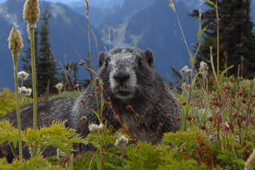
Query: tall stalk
[
  {"x": 32, "y": 46},
  {"x": 15, "y": 45},
  {"x": 218, "y": 41},
  {"x": 17, "y": 100}
]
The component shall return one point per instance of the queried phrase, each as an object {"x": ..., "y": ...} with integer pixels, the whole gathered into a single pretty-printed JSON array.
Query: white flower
[
  {"x": 121, "y": 141},
  {"x": 59, "y": 86},
  {"x": 28, "y": 93},
  {"x": 22, "y": 75},
  {"x": 94, "y": 127},
  {"x": 188, "y": 71},
  {"x": 22, "y": 90},
  {"x": 183, "y": 70},
  {"x": 60, "y": 154}
]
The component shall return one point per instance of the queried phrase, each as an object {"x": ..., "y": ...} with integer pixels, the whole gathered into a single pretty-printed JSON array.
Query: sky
[{"x": 54, "y": 1}]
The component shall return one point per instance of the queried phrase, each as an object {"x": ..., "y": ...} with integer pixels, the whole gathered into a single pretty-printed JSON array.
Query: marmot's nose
[{"x": 121, "y": 78}]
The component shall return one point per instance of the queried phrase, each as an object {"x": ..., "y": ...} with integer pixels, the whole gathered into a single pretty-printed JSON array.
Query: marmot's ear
[
  {"x": 149, "y": 57},
  {"x": 101, "y": 58}
]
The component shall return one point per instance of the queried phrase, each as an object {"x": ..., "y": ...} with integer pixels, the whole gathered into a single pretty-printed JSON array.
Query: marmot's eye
[
  {"x": 140, "y": 62},
  {"x": 106, "y": 63}
]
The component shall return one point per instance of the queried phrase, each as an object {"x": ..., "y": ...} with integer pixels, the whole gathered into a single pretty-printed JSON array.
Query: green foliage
[
  {"x": 32, "y": 164},
  {"x": 56, "y": 135},
  {"x": 144, "y": 156},
  {"x": 8, "y": 102},
  {"x": 235, "y": 40}
]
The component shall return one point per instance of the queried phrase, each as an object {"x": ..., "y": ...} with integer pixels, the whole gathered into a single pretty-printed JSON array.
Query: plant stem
[
  {"x": 218, "y": 41},
  {"x": 17, "y": 100},
  {"x": 32, "y": 46},
  {"x": 248, "y": 116}
]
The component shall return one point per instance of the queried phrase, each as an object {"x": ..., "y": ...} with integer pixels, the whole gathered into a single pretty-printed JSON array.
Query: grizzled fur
[{"x": 129, "y": 79}]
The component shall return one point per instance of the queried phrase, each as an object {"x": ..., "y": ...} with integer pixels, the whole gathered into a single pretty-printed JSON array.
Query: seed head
[
  {"x": 31, "y": 12},
  {"x": 137, "y": 116},
  {"x": 232, "y": 80},
  {"x": 101, "y": 83},
  {"x": 108, "y": 103},
  {"x": 89, "y": 95},
  {"x": 83, "y": 118},
  {"x": 243, "y": 100},
  {"x": 203, "y": 127},
  {"x": 228, "y": 87},
  {"x": 42, "y": 114},
  {"x": 210, "y": 118},
  {"x": 110, "y": 128},
  {"x": 81, "y": 63},
  {"x": 153, "y": 135},
  {"x": 47, "y": 118},
  {"x": 129, "y": 107},
  {"x": 189, "y": 118},
  {"x": 160, "y": 125},
  {"x": 82, "y": 100},
  {"x": 121, "y": 141},
  {"x": 241, "y": 78},
  {"x": 179, "y": 118},
  {"x": 169, "y": 115},
  {"x": 142, "y": 118},
  {"x": 15, "y": 42},
  {"x": 98, "y": 88},
  {"x": 175, "y": 105},
  {"x": 183, "y": 103},
  {"x": 147, "y": 110}
]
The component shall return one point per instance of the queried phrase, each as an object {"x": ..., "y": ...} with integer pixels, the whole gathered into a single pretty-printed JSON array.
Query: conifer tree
[
  {"x": 237, "y": 40},
  {"x": 45, "y": 65},
  {"x": 46, "y": 69}
]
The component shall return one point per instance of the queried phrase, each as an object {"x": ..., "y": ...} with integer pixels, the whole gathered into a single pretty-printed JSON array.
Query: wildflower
[
  {"x": 203, "y": 68},
  {"x": 60, "y": 154},
  {"x": 81, "y": 63},
  {"x": 183, "y": 70},
  {"x": 31, "y": 12},
  {"x": 28, "y": 92},
  {"x": 59, "y": 86},
  {"x": 15, "y": 42},
  {"x": 22, "y": 75},
  {"x": 94, "y": 127},
  {"x": 76, "y": 86},
  {"x": 188, "y": 71},
  {"x": 121, "y": 141},
  {"x": 22, "y": 90}
]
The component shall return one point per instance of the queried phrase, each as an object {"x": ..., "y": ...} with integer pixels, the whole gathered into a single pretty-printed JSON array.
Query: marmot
[{"x": 128, "y": 79}]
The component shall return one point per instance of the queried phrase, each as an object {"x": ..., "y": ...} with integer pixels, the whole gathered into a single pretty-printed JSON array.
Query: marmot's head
[{"x": 125, "y": 72}]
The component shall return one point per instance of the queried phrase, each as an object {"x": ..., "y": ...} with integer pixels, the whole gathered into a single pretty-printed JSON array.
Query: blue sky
[{"x": 63, "y": 1}]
